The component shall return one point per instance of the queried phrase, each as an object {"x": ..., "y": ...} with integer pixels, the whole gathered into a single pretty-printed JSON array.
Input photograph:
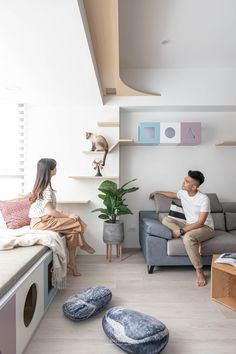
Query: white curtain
[{"x": 12, "y": 117}]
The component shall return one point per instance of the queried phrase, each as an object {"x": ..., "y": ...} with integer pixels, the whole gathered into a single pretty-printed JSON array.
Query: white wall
[
  {"x": 45, "y": 57},
  {"x": 59, "y": 132},
  {"x": 164, "y": 167}
]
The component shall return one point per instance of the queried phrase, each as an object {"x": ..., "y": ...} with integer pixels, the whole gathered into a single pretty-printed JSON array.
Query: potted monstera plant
[{"x": 114, "y": 206}]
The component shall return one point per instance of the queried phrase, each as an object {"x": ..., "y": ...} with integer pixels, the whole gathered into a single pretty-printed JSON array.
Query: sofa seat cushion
[
  {"x": 222, "y": 242},
  {"x": 16, "y": 262},
  {"x": 135, "y": 332},
  {"x": 230, "y": 219},
  {"x": 87, "y": 303},
  {"x": 175, "y": 247},
  {"x": 155, "y": 228}
]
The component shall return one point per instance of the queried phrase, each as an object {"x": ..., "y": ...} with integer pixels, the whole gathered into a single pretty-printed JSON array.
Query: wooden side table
[
  {"x": 109, "y": 251},
  {"x": 223, "y": 283}
]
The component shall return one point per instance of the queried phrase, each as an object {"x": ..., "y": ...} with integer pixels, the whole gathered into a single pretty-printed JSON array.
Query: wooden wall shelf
[
  {"x": 73, "y": 201},
  {"x": 93, "y": 152},
  {"x": 108, "y": 124},
  {"x": 119, "y": 142},
  {"x": 227, "y": 143},
  {"x": 122, "y": 142},
  {"x": 94, "y": 177}
]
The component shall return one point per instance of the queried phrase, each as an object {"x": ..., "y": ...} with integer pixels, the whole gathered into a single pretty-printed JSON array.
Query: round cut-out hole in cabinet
[{"x": 30, "y": 304}]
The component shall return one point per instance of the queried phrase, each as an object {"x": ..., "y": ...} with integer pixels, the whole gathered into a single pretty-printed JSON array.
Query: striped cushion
[{"x": 176, "y": 212}]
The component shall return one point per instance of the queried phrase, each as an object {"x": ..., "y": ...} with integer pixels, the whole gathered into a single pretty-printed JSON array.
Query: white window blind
[{"x": 12, "y": 150}]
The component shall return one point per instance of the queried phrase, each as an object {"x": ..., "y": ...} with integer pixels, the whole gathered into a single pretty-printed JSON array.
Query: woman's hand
[{"x": 74, "y": 216}]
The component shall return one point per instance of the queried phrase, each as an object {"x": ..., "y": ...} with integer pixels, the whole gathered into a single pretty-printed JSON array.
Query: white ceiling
[{"x": 201, "y": 33}]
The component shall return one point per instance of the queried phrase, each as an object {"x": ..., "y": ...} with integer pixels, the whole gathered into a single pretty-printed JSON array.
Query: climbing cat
[{"x": 99, "y": 143}]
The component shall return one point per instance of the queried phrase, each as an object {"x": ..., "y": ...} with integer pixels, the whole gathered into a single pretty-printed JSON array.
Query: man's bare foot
[
  {"x": 200, "y": 280},
  {"x": 73, "y": 270},
  {"x": 85, "y": 247}
]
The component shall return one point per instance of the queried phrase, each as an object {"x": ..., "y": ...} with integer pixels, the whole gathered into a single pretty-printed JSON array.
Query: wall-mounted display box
[
  {"x": 149, "y": 133},
  {"x": 183, "y": 133}
]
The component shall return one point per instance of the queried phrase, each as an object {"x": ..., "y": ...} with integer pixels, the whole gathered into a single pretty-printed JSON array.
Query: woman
[{"x": 45, "y": 216}]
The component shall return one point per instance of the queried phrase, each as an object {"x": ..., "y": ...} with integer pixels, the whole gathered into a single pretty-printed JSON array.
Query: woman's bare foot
[
  {"x": 200, "y": 280},
  {"x": 85, "y": 247},
  {"x": 73, "y": 270}
]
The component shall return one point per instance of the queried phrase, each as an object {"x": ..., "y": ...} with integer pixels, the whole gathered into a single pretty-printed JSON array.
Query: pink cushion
[{"x": 15, "y": 212}]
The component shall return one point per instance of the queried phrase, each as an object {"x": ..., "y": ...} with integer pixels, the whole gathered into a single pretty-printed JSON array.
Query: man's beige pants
[{"x": 191, "y": 239}]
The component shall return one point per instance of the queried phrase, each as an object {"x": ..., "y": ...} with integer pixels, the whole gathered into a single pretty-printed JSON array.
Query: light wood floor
[{"x": 196, "y": 323}]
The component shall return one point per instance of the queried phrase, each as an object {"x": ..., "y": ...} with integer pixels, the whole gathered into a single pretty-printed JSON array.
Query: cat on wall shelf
[{"x": 99, "y": 143}]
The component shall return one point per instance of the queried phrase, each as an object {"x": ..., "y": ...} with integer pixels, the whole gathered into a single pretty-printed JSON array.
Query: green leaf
[
  {"x": 104, "y": 216},
  {"x": 108, "y": 187},
  {"x": 102, "y": 210},
  {"x": 124, "y": 210}
]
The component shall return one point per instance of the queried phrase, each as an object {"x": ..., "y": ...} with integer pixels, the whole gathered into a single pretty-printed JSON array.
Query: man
[{"x": 199, "y": 224}]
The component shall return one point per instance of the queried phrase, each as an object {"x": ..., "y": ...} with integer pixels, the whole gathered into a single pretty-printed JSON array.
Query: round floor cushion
[
  {"x": 135, "y": 332},
  {"x": 87, "y": 303}
]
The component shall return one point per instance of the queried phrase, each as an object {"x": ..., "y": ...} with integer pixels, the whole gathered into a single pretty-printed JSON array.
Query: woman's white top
[{"x": 37, "y": 209}]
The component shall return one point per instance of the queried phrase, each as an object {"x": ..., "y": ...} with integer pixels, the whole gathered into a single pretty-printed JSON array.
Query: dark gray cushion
[
  {"x": 222, "y": 242},
  {"x": 216, "y": 206},
  {"x": 155, "y": 228},
  {"x": 135, "y": 332},
  {"x": 230, "y": 219},
  {"x": 162, "y": 203},
  {"x": 219, "y": 221},
  {"x": 229, "y": 206}
]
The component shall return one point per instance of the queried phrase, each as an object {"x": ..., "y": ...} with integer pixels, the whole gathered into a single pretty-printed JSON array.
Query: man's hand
[
  {"x": 176, "y": 233},
  {"x": 152, "y": 195}
]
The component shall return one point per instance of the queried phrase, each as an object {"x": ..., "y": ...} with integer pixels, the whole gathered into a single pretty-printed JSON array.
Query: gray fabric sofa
[{"x": 160, "y": 249}]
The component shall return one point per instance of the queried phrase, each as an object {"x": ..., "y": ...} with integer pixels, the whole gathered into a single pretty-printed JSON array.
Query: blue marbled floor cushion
[
  {"x": 135, "y": 332},
  {"x": 87, "y": 303}
]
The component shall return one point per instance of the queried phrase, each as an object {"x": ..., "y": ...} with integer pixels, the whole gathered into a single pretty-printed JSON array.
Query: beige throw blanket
[{"x": 28, "y": 237}]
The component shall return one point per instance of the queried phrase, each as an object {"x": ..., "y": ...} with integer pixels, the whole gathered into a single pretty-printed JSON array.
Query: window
[{"x": 12, "y": 150}]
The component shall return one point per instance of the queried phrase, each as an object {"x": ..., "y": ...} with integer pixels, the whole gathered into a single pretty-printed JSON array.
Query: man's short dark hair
[{"x": 197, "y": 176}]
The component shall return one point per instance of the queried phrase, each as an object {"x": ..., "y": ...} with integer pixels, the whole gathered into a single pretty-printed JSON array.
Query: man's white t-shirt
[{"x": 192, "y": 206}]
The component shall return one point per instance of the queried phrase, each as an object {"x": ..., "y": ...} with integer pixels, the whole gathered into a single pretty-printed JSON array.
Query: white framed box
[{"x": 170, "y": 133}]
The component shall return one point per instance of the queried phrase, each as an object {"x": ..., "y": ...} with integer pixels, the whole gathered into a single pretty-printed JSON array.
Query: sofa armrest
[{"x": 156, "y": 228}]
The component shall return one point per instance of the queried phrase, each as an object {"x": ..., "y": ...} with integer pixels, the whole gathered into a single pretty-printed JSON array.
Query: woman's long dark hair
[{"x": 43, "y": 178}]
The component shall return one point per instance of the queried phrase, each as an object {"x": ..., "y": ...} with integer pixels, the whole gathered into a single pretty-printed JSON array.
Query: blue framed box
[{"x": 149, "y": 133}]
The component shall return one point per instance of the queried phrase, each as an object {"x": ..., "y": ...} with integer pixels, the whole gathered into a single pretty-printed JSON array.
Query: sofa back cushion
[
  {"x": 230, "y": 219},
  {"x": 229, "y": 207},
  {"x": 219, "y": 221},
  {"x": 162, "y": 203}
]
